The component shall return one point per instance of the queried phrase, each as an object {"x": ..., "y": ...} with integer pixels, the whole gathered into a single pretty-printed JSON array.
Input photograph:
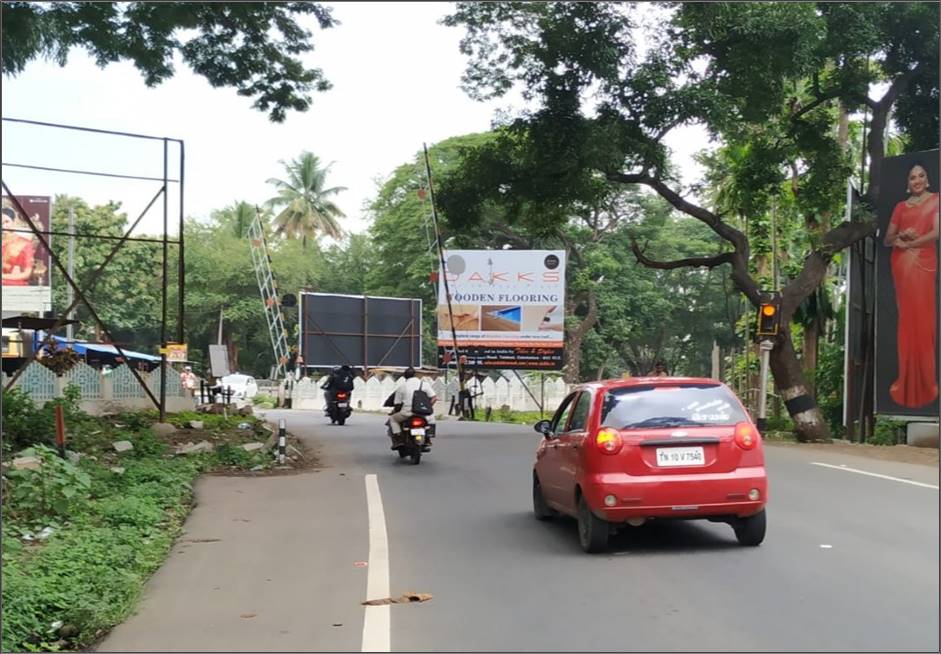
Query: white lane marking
[
  {"x": 874, "y": 474},
  {"x": 826, "y": 547},
  {"x": 377, "y": 623}
]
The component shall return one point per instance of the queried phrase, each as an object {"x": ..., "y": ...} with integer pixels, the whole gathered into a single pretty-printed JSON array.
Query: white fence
[
  {"x": 102, "y": 393},
  {"x": 370, "y": 395}
]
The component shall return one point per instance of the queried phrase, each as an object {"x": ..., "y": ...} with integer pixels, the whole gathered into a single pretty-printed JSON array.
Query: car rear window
[{"x": 681, "y": 405}]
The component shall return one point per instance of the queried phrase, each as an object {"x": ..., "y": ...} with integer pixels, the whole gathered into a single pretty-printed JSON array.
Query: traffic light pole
[{"x": 766, "y": 346}]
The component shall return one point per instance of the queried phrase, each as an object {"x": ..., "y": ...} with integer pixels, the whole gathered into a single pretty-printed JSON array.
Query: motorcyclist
[
  {"x": 402, "y": 403},
  {"x": 339, "y": 379}
]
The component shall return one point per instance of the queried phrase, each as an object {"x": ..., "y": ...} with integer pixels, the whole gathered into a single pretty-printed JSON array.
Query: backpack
[
  {"x": 344, "y": 381},
  {"x": 421, "y": 402}
]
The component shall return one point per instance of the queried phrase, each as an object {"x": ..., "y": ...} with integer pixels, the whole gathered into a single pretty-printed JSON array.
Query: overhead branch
[
  {"x": 690, "y": 262},
  {"x": 702, "y": 214},
  {"x": 822, "y": 99},
  {"x": 815, "y": 266}
]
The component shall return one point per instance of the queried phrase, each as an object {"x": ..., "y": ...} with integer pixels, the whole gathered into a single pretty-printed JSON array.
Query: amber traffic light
[{"x": 768, "y": 318}]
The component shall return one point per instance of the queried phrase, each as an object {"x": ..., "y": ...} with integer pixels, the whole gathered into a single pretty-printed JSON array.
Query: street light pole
[{"x": 766, "y": 346}]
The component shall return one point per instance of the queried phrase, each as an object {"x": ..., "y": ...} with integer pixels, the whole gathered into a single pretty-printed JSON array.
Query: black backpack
[
  {"x": 421, "y": 402},
  {"x": 344, "y": 381}
]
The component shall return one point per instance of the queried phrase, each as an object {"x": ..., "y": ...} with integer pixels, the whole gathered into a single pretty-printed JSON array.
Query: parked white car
[{"x": 243, "y": 387}]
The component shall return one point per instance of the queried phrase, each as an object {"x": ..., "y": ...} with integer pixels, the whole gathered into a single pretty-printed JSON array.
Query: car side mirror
[{"x": 544, "y": 427}]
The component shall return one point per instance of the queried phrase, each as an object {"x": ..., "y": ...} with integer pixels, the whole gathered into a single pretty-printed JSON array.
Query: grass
[
  {"x": 504, "y": 414},
  {"x": 64, "y": 592}
]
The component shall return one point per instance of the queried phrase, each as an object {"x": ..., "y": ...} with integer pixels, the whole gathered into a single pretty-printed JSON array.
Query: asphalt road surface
[{"x": 850, "y": 562}]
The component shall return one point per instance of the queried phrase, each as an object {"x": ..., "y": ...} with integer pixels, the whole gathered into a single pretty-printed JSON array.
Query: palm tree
[
  {"x": 238, "y": 216},
  {"x": 306, "y": 210}
]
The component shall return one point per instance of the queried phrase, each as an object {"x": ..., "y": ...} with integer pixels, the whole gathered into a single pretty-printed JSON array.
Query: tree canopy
[
  {"x": 304, "y": 199},
  {"x": 251, "y": 46},
  {"x": 767, "y": 80}
]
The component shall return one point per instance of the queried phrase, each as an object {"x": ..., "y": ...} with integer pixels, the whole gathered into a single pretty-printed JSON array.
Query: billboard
[
  {"x": 508, "y": 308},
  {"x": 359, "y": 330},
  {"x": 26, "y": 264},
  {"x": 907, "y": 285}
]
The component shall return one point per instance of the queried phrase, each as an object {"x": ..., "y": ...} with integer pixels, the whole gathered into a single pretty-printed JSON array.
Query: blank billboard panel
[{"x": 360, "y": 330}]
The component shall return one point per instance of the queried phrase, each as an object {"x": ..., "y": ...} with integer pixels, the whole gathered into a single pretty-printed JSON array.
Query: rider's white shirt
[{"x": 406, "y": 389}]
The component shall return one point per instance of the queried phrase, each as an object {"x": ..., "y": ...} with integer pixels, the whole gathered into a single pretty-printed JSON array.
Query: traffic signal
[{"x": 769, "y": 318}]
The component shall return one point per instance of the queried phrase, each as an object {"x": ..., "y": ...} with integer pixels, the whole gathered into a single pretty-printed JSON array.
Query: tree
[
  {"x": 252, "y": 46},
  {"x": 239, "y": 215},
  {"x": 307, "y": 210},
  {"x": 764, "y": 78},
  {"x": 127, "y": 294}
]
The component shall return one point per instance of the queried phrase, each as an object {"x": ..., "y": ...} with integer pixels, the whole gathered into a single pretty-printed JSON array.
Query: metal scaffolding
[{"x": 268, "y": 287}]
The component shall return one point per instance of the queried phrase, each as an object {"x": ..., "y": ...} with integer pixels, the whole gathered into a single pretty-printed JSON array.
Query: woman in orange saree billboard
[
  {"x": 913, "y": 236},
  {"x": 19, "y": 250}
]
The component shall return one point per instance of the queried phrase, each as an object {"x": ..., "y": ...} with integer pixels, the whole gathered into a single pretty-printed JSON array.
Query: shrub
[
  {"x": 262, "y": 398},
  {"x": 231, "y": 455},
  {"x": 51, "y": 491},
  {"x": 23, "y": 423},
  {"x": 887, "y": 432}
]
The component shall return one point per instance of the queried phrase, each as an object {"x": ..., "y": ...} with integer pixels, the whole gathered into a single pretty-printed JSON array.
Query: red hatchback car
[{"x": 630, "y": 450}]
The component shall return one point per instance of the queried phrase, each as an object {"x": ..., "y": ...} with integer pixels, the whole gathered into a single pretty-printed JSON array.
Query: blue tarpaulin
[{"x": 98, "y": 348}]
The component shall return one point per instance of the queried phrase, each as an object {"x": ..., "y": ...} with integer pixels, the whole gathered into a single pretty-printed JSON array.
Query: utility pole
[
  {"x": 69, "y": 332},
  {"x": 447, "y": 291}
]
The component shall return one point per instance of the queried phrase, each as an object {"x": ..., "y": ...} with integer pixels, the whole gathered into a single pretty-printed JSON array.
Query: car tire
[
  {"x": 592, "y": 531},
  {"x": 540, "y": 509},
  {"x": 750, "y": 531}
]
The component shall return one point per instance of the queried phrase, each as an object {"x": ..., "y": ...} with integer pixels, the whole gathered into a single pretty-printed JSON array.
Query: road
[{"x": 850, "y": 562}]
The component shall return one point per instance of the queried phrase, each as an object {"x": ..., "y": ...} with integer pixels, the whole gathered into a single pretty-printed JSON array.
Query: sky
[{"x": 396, "y": 84}]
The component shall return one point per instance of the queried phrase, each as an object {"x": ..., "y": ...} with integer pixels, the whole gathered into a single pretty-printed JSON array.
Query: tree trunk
[
  {"x": 811, "y": 339},
  {"x": 790, "y": 381},
  {"x": 574, "y": 338},
  {"x": 233, "y": 350}
]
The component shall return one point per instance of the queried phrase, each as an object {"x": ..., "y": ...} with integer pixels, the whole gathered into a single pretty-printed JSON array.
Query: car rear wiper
[{"x": 665, "y": 421}]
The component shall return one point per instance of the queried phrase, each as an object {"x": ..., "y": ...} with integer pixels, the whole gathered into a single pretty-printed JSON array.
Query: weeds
[{"x": 80, "y": 541}]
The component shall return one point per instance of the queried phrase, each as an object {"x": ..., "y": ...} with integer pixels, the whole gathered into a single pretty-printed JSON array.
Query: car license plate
[
  {"x": 680, "y": 456},
  {"x": 342, "y": 405},
  {"x": 418, "y": 431}
]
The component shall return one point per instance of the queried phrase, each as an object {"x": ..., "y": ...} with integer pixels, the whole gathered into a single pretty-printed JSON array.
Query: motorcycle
[
  {"x": 415, "y": 438},
  {"x": 338, "y": 407}
]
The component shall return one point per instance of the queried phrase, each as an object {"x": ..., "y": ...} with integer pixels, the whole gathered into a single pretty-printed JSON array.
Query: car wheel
[
  {"x": 750, "y": 531},
  {"x": 592, "y": 530},
  {"x": 540, "y": 509}
]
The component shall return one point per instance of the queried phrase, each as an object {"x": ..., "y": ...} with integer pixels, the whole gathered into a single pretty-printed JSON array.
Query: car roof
[{"x": 608, "y": 384}]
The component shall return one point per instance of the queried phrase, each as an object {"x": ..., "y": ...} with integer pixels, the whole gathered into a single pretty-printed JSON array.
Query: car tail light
[
  {"x": 746, "y": 436},
  {"x": 417, "y": 422},
  {"x": 608, "y": 441}
]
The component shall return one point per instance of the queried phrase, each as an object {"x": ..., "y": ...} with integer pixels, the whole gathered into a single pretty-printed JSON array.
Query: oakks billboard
[
  {"x": 508, "y": 308},
  {"x": 26, "y": 274},
  {"x": 907, "y": 286}
]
